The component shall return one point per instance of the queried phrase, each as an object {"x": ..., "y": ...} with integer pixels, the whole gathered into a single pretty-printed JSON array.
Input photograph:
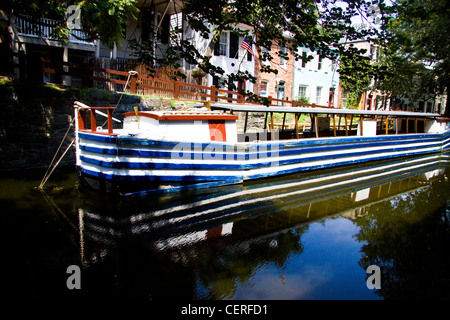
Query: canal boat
[{"x": 165, "y": 151}]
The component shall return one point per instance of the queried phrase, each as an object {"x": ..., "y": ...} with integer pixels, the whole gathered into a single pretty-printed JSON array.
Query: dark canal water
[{"x": 305, "y": 236}]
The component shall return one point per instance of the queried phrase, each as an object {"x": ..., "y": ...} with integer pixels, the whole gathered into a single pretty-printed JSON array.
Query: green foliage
[
  {"x": 355, "y": 74},
  {"x": 107, "y": 20},
  {"x": 313, "y": 24},
  {"x": 413, "y": 59},
  {"x": 353, "y": 99},
  {"x": 420, "y": 47},
  {"x": 403, "y": 76},
  {"x": 303, "y": 100},
  {"x": 319, "y": 25}
]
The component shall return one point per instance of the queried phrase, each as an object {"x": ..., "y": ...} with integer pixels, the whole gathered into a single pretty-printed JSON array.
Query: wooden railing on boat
[
  {"x": 82, "y": 123},
  {"x": 383, "y": 123}
]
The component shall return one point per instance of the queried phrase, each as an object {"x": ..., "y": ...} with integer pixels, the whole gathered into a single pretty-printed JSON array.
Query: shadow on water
[{"x": 306, "y": 236}]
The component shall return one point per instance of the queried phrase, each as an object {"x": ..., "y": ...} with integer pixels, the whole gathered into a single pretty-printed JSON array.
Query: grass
[{"x": 304, "y": 118}]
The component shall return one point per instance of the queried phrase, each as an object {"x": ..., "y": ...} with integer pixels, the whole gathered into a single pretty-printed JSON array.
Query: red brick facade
[{"x": 279, "y": 85}]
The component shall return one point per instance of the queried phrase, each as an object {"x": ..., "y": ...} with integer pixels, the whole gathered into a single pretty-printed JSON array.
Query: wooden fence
[{"x": 136, "y": 82}]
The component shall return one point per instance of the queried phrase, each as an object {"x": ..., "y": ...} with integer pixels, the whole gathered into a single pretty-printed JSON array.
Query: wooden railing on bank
[{"x": 115, "y": 80}]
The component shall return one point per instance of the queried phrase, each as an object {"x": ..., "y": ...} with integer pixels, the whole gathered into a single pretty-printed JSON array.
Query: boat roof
[
  {"x": 183, "y": 115},
  {"x": 320, "y": 110}
]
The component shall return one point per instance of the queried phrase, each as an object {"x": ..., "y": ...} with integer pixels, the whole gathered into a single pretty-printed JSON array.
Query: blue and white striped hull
[{"x": 128, "y": 159}]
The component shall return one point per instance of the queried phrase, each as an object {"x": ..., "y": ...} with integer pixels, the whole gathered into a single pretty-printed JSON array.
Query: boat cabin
[{"x": 182, "y": 126}]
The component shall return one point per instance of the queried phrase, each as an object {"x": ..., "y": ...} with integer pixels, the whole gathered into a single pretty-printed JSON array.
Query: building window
[
  {"x": 234, "y": 46},
  {"x": 344, "y": 99},
  {"x": 164, "y": 33},
  {"x": 283, "y": 52},
  {"x": 249, "y": 55},
  {"x": 318, "y": 95},
  {"x": 265, "y": 53},
  {"x": 221, "y": 46},
  {"x": 421, "y": 106},
  {"x": 263, "y": 88},
  {"x": 147, "y": 24},
  {"x": 176, "y": 28},
  {"x": 319, "y": 65},
  {"x": 281, "y": 92},
  {"x": 302, "y": 91},
  {"x": 303, "y": 59},
  {"x": 333, "y": 65},
  {"x": 373, "y": 52}
]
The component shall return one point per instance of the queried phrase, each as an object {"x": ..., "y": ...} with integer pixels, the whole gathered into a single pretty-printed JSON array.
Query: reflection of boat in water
[{"x": 253, "y": 210}]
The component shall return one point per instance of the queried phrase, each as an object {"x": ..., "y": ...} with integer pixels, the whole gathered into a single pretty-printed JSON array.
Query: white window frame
[
  {"x": 344, "y": 99},
  {"x": 318, "y": 94},
  {"x": 305, "y": 87},
  {"x": 223, "y": 44}
]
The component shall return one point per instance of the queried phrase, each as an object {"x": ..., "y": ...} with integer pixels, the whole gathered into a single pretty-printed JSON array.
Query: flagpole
[
  {"x": 242, "y": 60},
  {"x": 236, "y": 54}
]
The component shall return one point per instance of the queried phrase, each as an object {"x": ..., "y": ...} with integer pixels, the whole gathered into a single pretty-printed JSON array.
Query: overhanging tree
[
  {"x": 319, "y": 25},
  {"x": 356, "y": 73},
  {"x": 421, "y": 31}
]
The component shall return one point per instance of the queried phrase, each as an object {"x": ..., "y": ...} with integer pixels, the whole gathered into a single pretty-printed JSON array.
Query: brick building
[{"x": 273, "y": 85}]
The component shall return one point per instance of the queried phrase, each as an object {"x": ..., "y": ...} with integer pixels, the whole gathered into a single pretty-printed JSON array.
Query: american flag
[{"x": 246, "y": 44}]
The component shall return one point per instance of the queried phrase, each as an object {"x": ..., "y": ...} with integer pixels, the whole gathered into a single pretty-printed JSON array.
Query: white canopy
[{"x": 318, "y": 110}]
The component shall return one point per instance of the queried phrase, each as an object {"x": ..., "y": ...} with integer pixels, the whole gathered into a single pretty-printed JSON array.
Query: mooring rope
[
  {"x": 49, "y": 172},
  {"x": 130, "y": 74}
]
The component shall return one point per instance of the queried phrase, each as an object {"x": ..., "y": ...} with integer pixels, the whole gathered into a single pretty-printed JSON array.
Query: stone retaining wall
[{"x": 35, "y": 117}]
